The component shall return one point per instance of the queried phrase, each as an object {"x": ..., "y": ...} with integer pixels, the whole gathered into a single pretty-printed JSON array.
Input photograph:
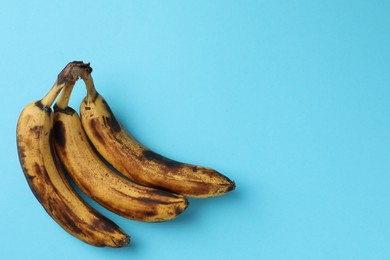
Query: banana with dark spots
[
  {"x": 45, "y": 177},
  {"x": 140, "y": 164},
  {"x": 98, "y": 181}
]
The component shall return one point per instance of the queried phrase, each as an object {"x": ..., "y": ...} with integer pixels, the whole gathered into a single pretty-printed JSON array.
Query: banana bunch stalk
[{"x": 152, "y": 188}]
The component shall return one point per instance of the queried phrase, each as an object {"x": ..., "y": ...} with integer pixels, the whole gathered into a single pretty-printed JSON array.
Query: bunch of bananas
[{"x": 92, "y": 149}]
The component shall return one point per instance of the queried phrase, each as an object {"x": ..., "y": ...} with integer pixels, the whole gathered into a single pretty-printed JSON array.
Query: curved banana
[
  {"x": 140, "y": 164},
  {"x": 98, "y": 181},
  {"x": 45, "y": 178}
]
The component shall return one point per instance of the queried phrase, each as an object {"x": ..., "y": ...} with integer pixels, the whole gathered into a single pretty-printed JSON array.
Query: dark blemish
[
  {"x": 86, "y": 189},
  {"x": 144, "y": 200},
  {"x": 30, "y": 177},
  {"x": 150, "y": 155},
  {"x": 68, "y": 110},
  {"x": 52, "y": 150},
  {"x": 21, "y": 154},
  {"x": 112, "y": 124},
  {"x": 37, "y": 130},
  {"x": 37, "y": 169},
  {"x": 70, "y": 222},
  {"x": 111, "y": 120},
  {"x": 42, "y": 174},
  {"x": 51, "y": 205},
  {"x": 149, "y": 213},
  {"x": 59, "y": 133},
  {"x": 152, "y": 201},
  {"x": 87, "y": 108},
  {"x": 104, "y": 223},
  {"x": 163, "y": 193},
  {"x": 201, "y": 188},
  {"x": 195, "y": 168},
  {"x": 118, "y": 140},
  {"x": 104, "y": 121},
  {"x": 93, "y": 124},
  {"x": 42, "y": 107}
]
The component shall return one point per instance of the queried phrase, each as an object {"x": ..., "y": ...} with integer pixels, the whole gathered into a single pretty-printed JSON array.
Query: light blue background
[{"x": 291, "y": 99}]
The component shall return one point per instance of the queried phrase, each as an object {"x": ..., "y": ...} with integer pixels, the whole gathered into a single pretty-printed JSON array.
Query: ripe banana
[
  {"x": 98, "y": 181},
  {"x": 45, "y": 178},
  {"x": 140, "y": 164}
]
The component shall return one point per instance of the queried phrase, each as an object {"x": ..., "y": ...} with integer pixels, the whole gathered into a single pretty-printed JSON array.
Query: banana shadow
[{"x": 201, "y": 208}]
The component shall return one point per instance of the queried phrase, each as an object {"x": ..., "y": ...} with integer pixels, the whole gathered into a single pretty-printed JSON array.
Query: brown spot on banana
[
  {"x": 69, "y": 219},
  {"x": 36, "y": 130},
  {"x": 41, "y": 174},
  {"x": 104, "y": 225},
  {"x": 93, "y": 126},
  {"x": 163, "y": 193},
  {"x": 151, "y": 201},
  {"x": 59, "y": 133},
  {"x": 150, "y": 155},
  {"x": 111, "y": 121}
]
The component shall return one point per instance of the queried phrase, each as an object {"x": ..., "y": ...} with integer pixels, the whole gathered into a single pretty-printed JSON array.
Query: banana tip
[
  {"x": 125, "y": 241},
  {"x": 231, "y": 187},
  {"x": 187, "y": 203}
]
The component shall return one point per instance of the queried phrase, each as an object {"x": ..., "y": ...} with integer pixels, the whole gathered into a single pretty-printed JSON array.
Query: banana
[
  {"x": 98, "y": 181},
  {"x": 46, "y": 179},
  {"x": 140, "y": 164}
]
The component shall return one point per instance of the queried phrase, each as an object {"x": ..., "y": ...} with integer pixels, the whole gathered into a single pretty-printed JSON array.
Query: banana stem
[
  {"x": 63, "y": 100},
  {"x": 91, "y": 90},
  {"x": 49, "y": 98}
]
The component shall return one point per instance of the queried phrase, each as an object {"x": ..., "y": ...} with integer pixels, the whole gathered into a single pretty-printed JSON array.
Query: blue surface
[{"x": 291, "y": 99}]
